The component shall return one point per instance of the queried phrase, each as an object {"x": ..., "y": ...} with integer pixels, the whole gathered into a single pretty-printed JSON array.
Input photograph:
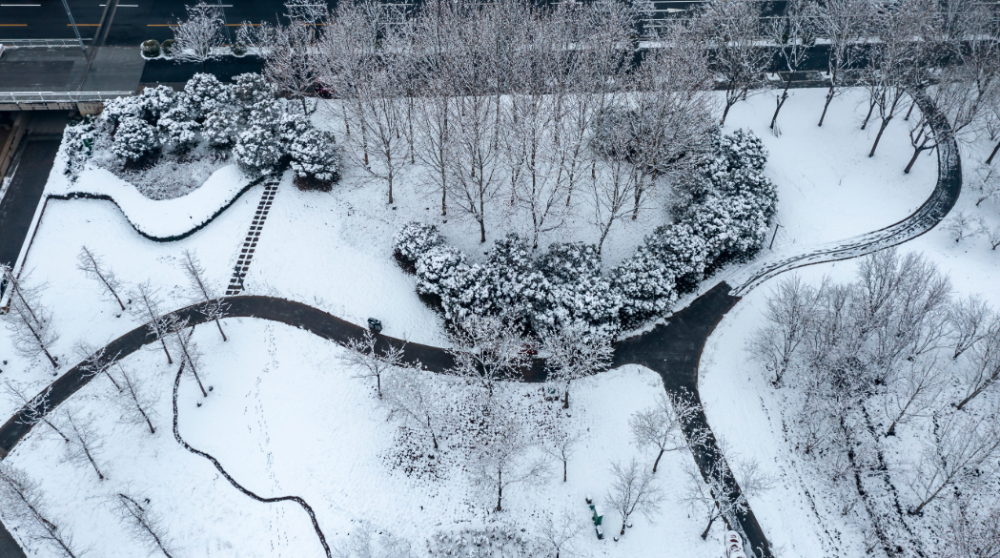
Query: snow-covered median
[{"x": 156, "y": 219}]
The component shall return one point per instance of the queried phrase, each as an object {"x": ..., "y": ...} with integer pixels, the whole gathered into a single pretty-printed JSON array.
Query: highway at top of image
[{"x": 137, "y": 20}]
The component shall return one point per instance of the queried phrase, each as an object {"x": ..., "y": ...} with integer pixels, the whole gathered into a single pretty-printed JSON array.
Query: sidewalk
[{"x": 66, "y": 69}]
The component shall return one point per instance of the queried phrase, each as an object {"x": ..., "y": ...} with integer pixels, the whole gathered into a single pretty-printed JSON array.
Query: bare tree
[
  {"x": 845, "y": 24},
  {"x": 733, "y": 30},
  {"x": 30, "y": 321},
  {"x": 92, "y": 266},
  {"x": 136, "y": 401},
  {"x": 408, "y": 394},
  {"x": 289, "y": 58},
  {"x": 85, "y": 442},
  {"x": 499, "y": 451},
  {"x": 487, "y": 351},
  {"x": 573, "y": 353},
  {"x": 988, "y": 185},
  {"x": 35, "y": 409},
  {"x": 145, "y": 526},
  {"x": 560, "y": 445},
  {"x": 790, "y": 308},
  {"x": 708, "y": 491},
  {"x": 617, "y": 186},
  {"x": 971, "y": 320},
  {"x": 372, "y": 362},
  {"x": 199, "y": 36},
  {"x": 633, "y": 490},
  {"x": 793, "y": 34},
  {"x": 558, "y": 534},
  {"x": 972, "y": 535},
  {"x": 368, "y": 542},
  {"x": 202, "y": 292},
  {"x": 22, "y": 501},
  {"x": 147, "y": 309},
  {"x": 982, "y": 369},
  {"x": 661, "y": 426},
  {"x": 960, "y": 225},
  {"x": 912, "y": 390},
  {"x": 94, "y": 361},
  {"x": 190, "y": 353},
  {"x": 965, "y": 445}
]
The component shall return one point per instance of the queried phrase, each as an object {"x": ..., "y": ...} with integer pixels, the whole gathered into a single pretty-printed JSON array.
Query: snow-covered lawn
[
  {"x": 799, "y": 514},
  {"x": 286, "y": 416}
]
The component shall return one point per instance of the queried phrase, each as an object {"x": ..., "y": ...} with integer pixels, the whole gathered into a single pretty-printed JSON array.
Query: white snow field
[
  {"x": 286, "y": 417},
  {"x": 799, "y": 515}
]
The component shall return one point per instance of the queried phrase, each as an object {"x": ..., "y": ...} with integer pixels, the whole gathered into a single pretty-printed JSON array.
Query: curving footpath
[{"x": 673, "y": 349}]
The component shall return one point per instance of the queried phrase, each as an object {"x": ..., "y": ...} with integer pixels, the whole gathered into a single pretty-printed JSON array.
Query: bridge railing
[{"x": 60, "y": 96}]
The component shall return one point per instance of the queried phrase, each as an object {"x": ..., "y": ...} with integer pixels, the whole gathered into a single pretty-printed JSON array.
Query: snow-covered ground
[
  {"x": 744, "y": 408},
  {"x": 155, "y": 218},
  {"x": 286, "y": 416}
]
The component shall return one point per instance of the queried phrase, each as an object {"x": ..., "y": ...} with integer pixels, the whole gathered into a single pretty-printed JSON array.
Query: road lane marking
[
  {"x": 121, "y": 5},
  {"x": 13, "y": 24},
  {"x": 84, "y": 25},
  {"x": 20, "y": 5}
]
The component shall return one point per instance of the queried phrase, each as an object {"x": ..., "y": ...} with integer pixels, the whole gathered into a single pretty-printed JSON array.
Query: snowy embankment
[{"x": 162, "y": 220}]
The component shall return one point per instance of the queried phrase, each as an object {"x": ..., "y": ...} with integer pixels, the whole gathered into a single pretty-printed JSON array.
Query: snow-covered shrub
[
  {"x": 517, "y": 287},
  {"x": 414, "y": 240},
  {"x": 221, "y": 126},
  {"x": 314, "y": 154},
  {"x": 435, "y": 267},
  {"x": 150, "y": 48},
  {"x": 157, "y": 101},
  {"x": 78, "y": 142},
  {"x": 121, "y": 107},
  {"x": 178, "y": 128},
  {"x": 645, "y": 286},
  {"x": 682, "y": 250},
  {"x": 590, "y": 303},
  {"x": 251, "y": 89},
  {"x": 134, "y": 139},
  {"x": 742, "y": 149},
  {"x": 568, "y": 262},
  {"x": 167, "y": 47},
  {"x": 258, "y": 147},
  {"x": 203, "y": 93}
]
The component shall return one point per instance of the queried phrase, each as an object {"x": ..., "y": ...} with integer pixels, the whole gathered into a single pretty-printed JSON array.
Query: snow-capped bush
[
  {"x": 78, "y": 142},
  {"x": 725, "y": 220},
  {"x": 157, "y": 101},
  {"x": 204, "y": 93},
  {"x": 258, "y": 147},
  {"x": 314, "y": 154},
  {"x": 121, "y": 107},
  {"x": 178, "y": 128},
  {"x": 221, "y": 126},
  {"x": 414, "y": 240},
  {"x": 645, "y": 286},
  {"x": 250, "y": 90},
  {"x": 134, "y": 139}
]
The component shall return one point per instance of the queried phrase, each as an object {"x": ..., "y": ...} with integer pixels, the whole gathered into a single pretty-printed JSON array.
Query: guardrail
[
  {"x": 61, "y": 96},
  {"x": 41, "y": 43}
]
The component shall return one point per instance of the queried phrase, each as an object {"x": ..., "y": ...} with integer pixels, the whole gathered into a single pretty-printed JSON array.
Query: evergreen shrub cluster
[{"x": 723, "y": 218}]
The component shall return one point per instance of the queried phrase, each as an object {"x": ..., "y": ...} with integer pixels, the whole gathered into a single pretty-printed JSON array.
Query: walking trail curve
[{"x": 673, "y": 349}]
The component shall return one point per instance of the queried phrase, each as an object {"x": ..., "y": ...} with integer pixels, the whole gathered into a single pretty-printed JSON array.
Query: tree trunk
[
  {"x": 885, "y": 124},
  {"x": 974, "y": 394},
  {"x": 499, "y": 491},
  {"x": 907, "y": 117},
  {"x": 90, "y": 458},
  {"x": 566, "y": 397},
  {"x": 725, "y": 113},
  {"x": 170, "y": 359},
  {"x": 657, "y": 462},
  {"x": 826, "y": 105},
  {"x": 781, "y": 102},
  {"x": 871, "y": 108},
  {"x": 217, "y": 323},
  {"x": 995, "y": 149},
  {"x": 305, "y": 108},
  {"x": 624, "y": 521},
  {"x": 704, "y": 534},
  {"x": 53, "y": 427},
  {"x": 564, "y": 470},
  {"x": 916, "y": 153}
]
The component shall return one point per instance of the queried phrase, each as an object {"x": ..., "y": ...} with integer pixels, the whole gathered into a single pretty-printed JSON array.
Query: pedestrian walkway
[{"x": 253, "y": 235}]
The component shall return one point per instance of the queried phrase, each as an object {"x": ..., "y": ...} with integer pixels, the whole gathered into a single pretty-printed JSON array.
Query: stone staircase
[{"x": 253, "y": 235}]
